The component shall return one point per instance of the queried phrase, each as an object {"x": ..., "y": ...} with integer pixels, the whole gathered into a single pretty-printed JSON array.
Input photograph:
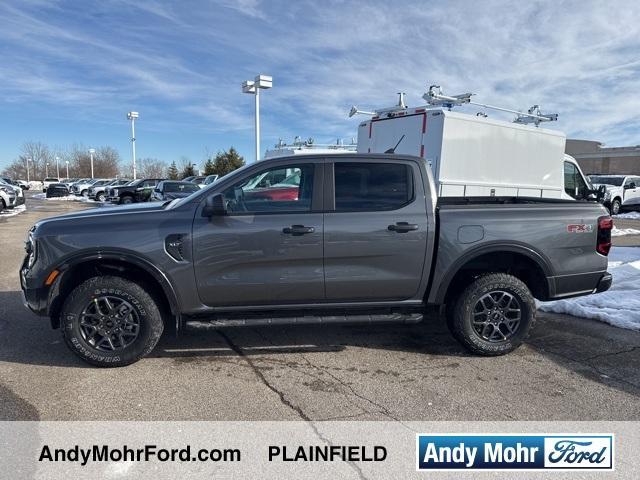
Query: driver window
[{"x": 276, "y": 190}]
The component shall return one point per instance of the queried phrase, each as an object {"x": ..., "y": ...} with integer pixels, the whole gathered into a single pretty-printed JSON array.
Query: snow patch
[
  {"x": 66, "y": 198},
  {"x": 618, "y": 232},
  {"x": 620, "y": 305},
  {"x": 628, "y": 215},
  {"x": 13, "y": 212}
]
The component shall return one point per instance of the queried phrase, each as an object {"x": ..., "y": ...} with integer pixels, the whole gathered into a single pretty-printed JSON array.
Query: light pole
[
  {"x": 254, "y": 87},
  {"x": 91, "y": 152},
  {"x": 58, "y": 167},
  {"x": 67, "y": 162},
  {"x": 132, "y": 116},
  {"x": 28, "y": 160},
  {"x": 46, "y": 170}
]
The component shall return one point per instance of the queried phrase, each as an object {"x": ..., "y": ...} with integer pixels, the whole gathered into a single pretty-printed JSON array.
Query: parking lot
[{"x": 569, "y": 369}]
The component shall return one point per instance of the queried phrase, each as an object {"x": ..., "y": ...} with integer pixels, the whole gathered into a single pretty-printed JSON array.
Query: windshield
[
  {"x": 181, "y": 187},
  {"x": 607, "y": 180}
]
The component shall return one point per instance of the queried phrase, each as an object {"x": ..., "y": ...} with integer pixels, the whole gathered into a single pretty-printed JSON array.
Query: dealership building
[{"x": 593, "y": 157}]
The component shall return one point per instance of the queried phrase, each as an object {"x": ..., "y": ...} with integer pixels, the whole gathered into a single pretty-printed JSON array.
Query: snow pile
[
  {"x": 66, "y": 198},
  {"x": 620, "y": 305},
  {"x": 628, "y": 215},
  {"x": 618, "y": 232},
  {"x": 12, "y": 212}
]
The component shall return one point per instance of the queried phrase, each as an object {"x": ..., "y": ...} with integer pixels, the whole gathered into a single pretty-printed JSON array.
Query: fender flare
[
  {"x": 126, "y": 257},
  {"x": 523, "y": 249}
]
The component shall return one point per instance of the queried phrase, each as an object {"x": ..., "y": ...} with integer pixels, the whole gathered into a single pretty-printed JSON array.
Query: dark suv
[{"x": 137, "y": 191}]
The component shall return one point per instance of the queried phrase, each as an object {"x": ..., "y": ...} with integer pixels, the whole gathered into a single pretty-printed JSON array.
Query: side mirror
[
  {"x": 214, "y": 206},
  {"x": 600, "y": 193}
]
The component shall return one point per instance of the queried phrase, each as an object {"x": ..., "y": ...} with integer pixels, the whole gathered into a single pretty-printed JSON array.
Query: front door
[
  {"x": 631, "y": 192},
  {"x": 375, "y": 230},
  {"x": 268, "y": 249}
]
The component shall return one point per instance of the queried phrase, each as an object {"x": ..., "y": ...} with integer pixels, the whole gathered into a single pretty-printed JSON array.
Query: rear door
[{"x": 375, "y": 230}]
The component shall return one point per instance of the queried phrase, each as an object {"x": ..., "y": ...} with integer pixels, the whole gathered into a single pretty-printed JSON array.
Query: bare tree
[{"x": 151, "y": 168}]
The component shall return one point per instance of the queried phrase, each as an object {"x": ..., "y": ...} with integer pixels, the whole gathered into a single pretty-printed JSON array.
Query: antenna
[{"x": 393, "y": 150}]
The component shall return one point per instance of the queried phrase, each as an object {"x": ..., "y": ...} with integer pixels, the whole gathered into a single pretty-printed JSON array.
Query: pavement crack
[
  {"x": 611, "y": 354},
  {"x": 284, "y": 400}
]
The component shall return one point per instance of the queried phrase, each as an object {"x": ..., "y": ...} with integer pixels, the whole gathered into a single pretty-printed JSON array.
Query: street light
[
  {"x": 91, "y": 152},
  {"x": 132, "y": 116},
  {"x": 58, "y": 167},
  {"x": 67, "y": 162},
  {"x": 46, "y": 170},
  {"x": 28, "y": 160},
  {"x": 254, "y": 87}
]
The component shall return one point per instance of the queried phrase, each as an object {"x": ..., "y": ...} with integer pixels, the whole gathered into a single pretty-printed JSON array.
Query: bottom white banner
[{"x": 319, "y": 450}]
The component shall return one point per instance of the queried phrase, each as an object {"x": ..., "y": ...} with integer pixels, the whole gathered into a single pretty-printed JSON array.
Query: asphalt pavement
[{"x": 569, "y": 369}]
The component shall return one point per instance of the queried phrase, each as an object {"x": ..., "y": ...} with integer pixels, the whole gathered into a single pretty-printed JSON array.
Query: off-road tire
[
  {"x": 150, "y": 318},
  {"x": 460, "y": 315}
]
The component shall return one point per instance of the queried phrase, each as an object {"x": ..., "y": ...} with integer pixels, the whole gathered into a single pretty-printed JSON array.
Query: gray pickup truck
[{"x": 340, "y": 238}]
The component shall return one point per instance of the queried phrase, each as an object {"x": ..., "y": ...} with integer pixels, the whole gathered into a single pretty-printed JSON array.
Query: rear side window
[{"x": 372, "y": 186}]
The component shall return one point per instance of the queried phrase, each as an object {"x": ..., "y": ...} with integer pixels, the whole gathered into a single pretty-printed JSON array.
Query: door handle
[
  {"x": 402, "y": 227},
  {"x": 298, "y": 230}
]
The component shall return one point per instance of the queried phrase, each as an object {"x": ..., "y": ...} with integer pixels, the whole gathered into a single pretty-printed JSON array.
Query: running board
[{"x": 306, "y": 320}]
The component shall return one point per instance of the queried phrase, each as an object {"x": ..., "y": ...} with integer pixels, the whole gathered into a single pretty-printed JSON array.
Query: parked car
[
  {"x": 8, "y": 196},
  {"x": 199, "y": 181},
  {"x": 14, "y": 195},
  {"x": 82, "y": 187},
  {"x": 136, "y": 191},
  {"x": 57, "y": 190},
  {"x": 48, "y": 181},
  {"x": 172, "y": 189},
  {"x": 366, "y": 240},
  {"x": 24, "y": 185},
  {"x": 622, "y": 191},
  {"x": 99, "y": 192},
  {"x": 210, "y": 179},
  {"x": 188, "y": 179}
]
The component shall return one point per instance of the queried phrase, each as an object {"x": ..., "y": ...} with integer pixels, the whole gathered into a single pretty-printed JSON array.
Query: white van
[{"x": 474, "y": 155}]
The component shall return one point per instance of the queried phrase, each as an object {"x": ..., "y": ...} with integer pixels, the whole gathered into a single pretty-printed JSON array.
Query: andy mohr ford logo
[{"x": 515, "y": 452}]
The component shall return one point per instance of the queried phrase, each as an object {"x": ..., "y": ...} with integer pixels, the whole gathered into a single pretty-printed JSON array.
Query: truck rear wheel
[
  {"x": 110, "y": 321},
  {"x": 493, "y": 315}
]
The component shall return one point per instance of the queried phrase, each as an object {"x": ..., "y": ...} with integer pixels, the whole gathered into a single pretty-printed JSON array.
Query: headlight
[
  {"x": 4, "y": 189},
  {"x": 31, "y": 248}
]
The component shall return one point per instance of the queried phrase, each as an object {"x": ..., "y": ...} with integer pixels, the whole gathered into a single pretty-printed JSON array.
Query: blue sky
[{"x": 71, "y": 70}]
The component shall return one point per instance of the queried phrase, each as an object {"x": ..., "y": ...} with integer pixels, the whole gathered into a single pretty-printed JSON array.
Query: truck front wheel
[
  {"x": 110, "y": 321},
  {"x": 615, "y": 207},
  {"x": 493, "y": 315}
]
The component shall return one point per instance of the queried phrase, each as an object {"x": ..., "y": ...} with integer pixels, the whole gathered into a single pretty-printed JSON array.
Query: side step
[{"x": 305, "y": 320}]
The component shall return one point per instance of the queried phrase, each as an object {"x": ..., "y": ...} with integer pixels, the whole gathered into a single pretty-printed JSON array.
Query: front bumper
[{"x": 35, "y": 296}]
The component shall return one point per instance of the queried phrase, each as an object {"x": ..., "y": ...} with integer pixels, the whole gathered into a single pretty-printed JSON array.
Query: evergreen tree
[
  {"x": 172, "y": 172},
  {"x": 188, "y": 171},
  {"x": 227, "y": 161},
  {"x": 209, "y": 167}
]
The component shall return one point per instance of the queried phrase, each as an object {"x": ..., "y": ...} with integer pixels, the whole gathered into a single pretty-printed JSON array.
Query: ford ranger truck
[{"x": 364, "y": 240}]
